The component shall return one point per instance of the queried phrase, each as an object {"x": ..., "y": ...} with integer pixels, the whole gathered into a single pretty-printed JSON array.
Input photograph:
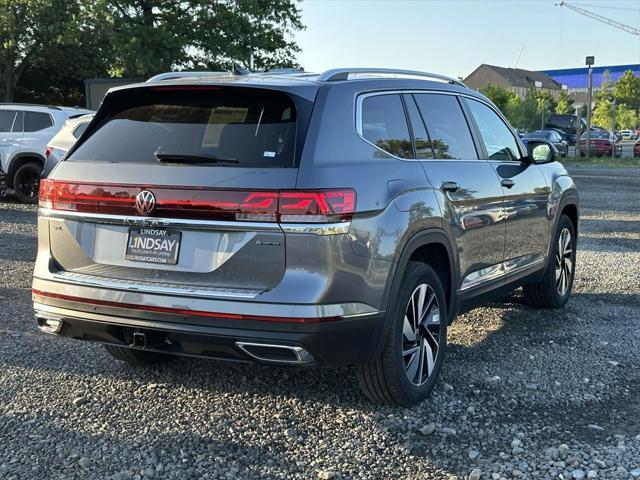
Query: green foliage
[
  {"x": 152, "y": 36},
  {"x": 565, "y": 104},
  {"x": 500, "y": 96},
  {"x": 48, "y": 47},
  {"x": 603, "y": 114},
  {"x": 626, "y": 117},
  {"x": 627, "y": 90}
]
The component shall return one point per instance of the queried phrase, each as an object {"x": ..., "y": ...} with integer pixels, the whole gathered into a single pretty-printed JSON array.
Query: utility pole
[
  {"x": 613, "y": 128},
  {"x": 589, "y": 61}
]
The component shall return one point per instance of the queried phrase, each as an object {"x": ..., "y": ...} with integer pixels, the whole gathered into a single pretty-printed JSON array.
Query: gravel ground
[{"x": 523, "y": 394}]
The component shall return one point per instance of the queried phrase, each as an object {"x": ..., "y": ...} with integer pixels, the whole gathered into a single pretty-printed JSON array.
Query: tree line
[
  {"x": 49, "y": 47},
  {"x": 617, "y": 104}
]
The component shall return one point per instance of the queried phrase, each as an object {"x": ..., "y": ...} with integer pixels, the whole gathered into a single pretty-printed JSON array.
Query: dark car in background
[
  {"x": 602, "y": 143},
  {"x": 568, "y": 124},
  {"x": 552, "y": 136}
]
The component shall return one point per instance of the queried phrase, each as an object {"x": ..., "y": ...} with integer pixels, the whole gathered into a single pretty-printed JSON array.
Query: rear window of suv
[{"x": 209, "y": 125}]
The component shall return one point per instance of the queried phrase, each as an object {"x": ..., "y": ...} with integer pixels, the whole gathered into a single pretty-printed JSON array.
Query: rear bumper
[{"x": 342, "y": 341}]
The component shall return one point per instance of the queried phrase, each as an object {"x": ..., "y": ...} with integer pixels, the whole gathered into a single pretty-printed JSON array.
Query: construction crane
[{"x": 600, "y": 18}]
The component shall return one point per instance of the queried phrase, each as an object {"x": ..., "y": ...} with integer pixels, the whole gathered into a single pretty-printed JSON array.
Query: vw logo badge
[{"x": 145, "y": 202}]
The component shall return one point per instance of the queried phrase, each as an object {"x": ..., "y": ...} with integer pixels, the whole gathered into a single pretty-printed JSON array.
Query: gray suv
[{"x": 343, "y": 218}]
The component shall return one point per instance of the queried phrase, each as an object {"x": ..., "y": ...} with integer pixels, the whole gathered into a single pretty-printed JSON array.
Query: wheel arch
[
  {"x": 421, "y": 247},
  {"x": 20, "y": 159}
]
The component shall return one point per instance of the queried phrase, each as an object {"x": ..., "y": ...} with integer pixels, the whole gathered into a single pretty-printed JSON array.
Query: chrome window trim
[{"x": 358, "y": 117}]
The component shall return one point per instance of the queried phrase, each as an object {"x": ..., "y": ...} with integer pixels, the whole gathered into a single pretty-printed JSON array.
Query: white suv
[{"x": 25, "y": 131}]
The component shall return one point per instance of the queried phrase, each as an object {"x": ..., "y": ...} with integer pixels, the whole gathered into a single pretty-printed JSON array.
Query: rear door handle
[
  {"x": 507, "y": 183},
  {"x": 450, "y": 187}
]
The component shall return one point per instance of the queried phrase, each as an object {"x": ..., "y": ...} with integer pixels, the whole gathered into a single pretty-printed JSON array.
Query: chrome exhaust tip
[
  {"x": 49, "y": 325},
  {"x": 267, "y": 352}
]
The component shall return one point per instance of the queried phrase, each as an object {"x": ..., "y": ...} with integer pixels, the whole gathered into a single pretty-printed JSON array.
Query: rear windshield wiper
[{"x": 193, "y": 159}]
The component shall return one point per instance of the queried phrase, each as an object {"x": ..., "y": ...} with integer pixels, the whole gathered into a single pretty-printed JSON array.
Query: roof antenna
[{"x": 515, "y": 65}]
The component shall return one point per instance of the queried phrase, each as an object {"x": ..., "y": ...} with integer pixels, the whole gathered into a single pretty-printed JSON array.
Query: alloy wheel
[
  {"x": 421, "y": 334},
  {"x": 28, "y": 182},
  {"x": 564, "y": 262}
]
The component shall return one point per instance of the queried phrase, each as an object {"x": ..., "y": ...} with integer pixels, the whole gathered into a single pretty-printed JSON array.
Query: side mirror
[{"x": 539, "y": 151}]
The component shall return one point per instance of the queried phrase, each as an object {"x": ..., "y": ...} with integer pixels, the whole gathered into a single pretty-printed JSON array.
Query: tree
[
  {"x": 48, "y": 47},
  {"x": 565, "y": 104},
  {"x": 603, "y": 114},
  {"x": 500, "y": 96},
  {"x": 29, "y": 29},
  {"x": 627, "y": 90},
  {"x": 626, "y": 117},
  {"x": 507, "y": 101},
  {"x": 152, "y": 36}
]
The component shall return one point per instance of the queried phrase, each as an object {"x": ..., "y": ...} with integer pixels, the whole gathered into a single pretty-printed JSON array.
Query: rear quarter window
[
  {"x": 35, "y": 121},
  {"x": 237, "y": 126},
  {"x": 384, "y": 124}
]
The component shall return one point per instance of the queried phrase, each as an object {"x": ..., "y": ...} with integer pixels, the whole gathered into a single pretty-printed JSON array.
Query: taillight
[
  {"x": 48, "y": 151},
  {"x": 200, "y": 203},
  {"x": 321, "y": 206}
]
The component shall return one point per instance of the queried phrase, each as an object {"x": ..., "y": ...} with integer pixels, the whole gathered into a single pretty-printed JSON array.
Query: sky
[{"x": 453, "y": 37}]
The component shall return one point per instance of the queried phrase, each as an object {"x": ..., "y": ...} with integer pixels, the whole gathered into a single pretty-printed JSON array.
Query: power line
[
  {"x": 600, "y": 18},
  {"x": 609, "y": 7}
]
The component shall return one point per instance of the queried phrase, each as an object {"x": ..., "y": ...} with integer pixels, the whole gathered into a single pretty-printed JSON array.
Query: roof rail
[
  {"x": 52, "y": 107},
  {"x": 176, "y": 75},
  {"x": 337, "y": 74}
]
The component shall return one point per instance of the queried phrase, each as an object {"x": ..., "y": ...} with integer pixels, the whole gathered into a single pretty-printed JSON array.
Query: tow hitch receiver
[{"x": 147, "y": 340}]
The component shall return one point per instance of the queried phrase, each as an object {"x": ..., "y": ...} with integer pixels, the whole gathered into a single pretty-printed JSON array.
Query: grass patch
[{"x": 577, "y": 162}]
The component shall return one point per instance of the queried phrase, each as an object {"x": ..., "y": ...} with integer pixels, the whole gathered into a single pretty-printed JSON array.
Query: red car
[
  {"x": 636, "y": 148},
  {"x": 602, "y": 143}
]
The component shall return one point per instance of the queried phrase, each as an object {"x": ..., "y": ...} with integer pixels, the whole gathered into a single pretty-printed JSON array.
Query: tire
[
  {"x": 386, "y": 379},
  {"x": 26, "y": 182},
  {"x": 551, "y": 291},
  {"x": 136, "y": 357}
]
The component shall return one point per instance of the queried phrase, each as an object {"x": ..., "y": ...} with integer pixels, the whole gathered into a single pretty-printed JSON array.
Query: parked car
[
  {"x": 568, "y": 124},
  {"x": 63, "y": 141},
  {"x": 628, "y": 134},
  {"x": 24, "y": 133},
  {"x": 636, "y": 148},
  {"x": 552, "y": 136},
  {"x": 601, "y": 143},
  {"x": 271, "y": 218}
]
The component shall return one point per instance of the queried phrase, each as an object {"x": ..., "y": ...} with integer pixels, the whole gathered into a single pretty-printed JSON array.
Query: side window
[
  {"x": 447, "y": 127},
  {"x": 80, "y": 129},
  {"x": 420, "y": 135},
  {"x": 384, "y": 124},
  {"x": 496, "y": 136},
  {"x": 6, "y": 120},
  {"x": 34, "y": 121}
]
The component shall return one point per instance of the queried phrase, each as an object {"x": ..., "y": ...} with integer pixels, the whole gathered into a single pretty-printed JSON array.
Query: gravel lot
[{"x": 523, "y": 393}]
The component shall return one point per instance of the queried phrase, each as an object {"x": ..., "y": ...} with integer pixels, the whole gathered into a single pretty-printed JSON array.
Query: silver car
[
  {"x": 24, "y": 133},
  {"x": 60, "y": 144},
  {"x": 342, "y": 218}
]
